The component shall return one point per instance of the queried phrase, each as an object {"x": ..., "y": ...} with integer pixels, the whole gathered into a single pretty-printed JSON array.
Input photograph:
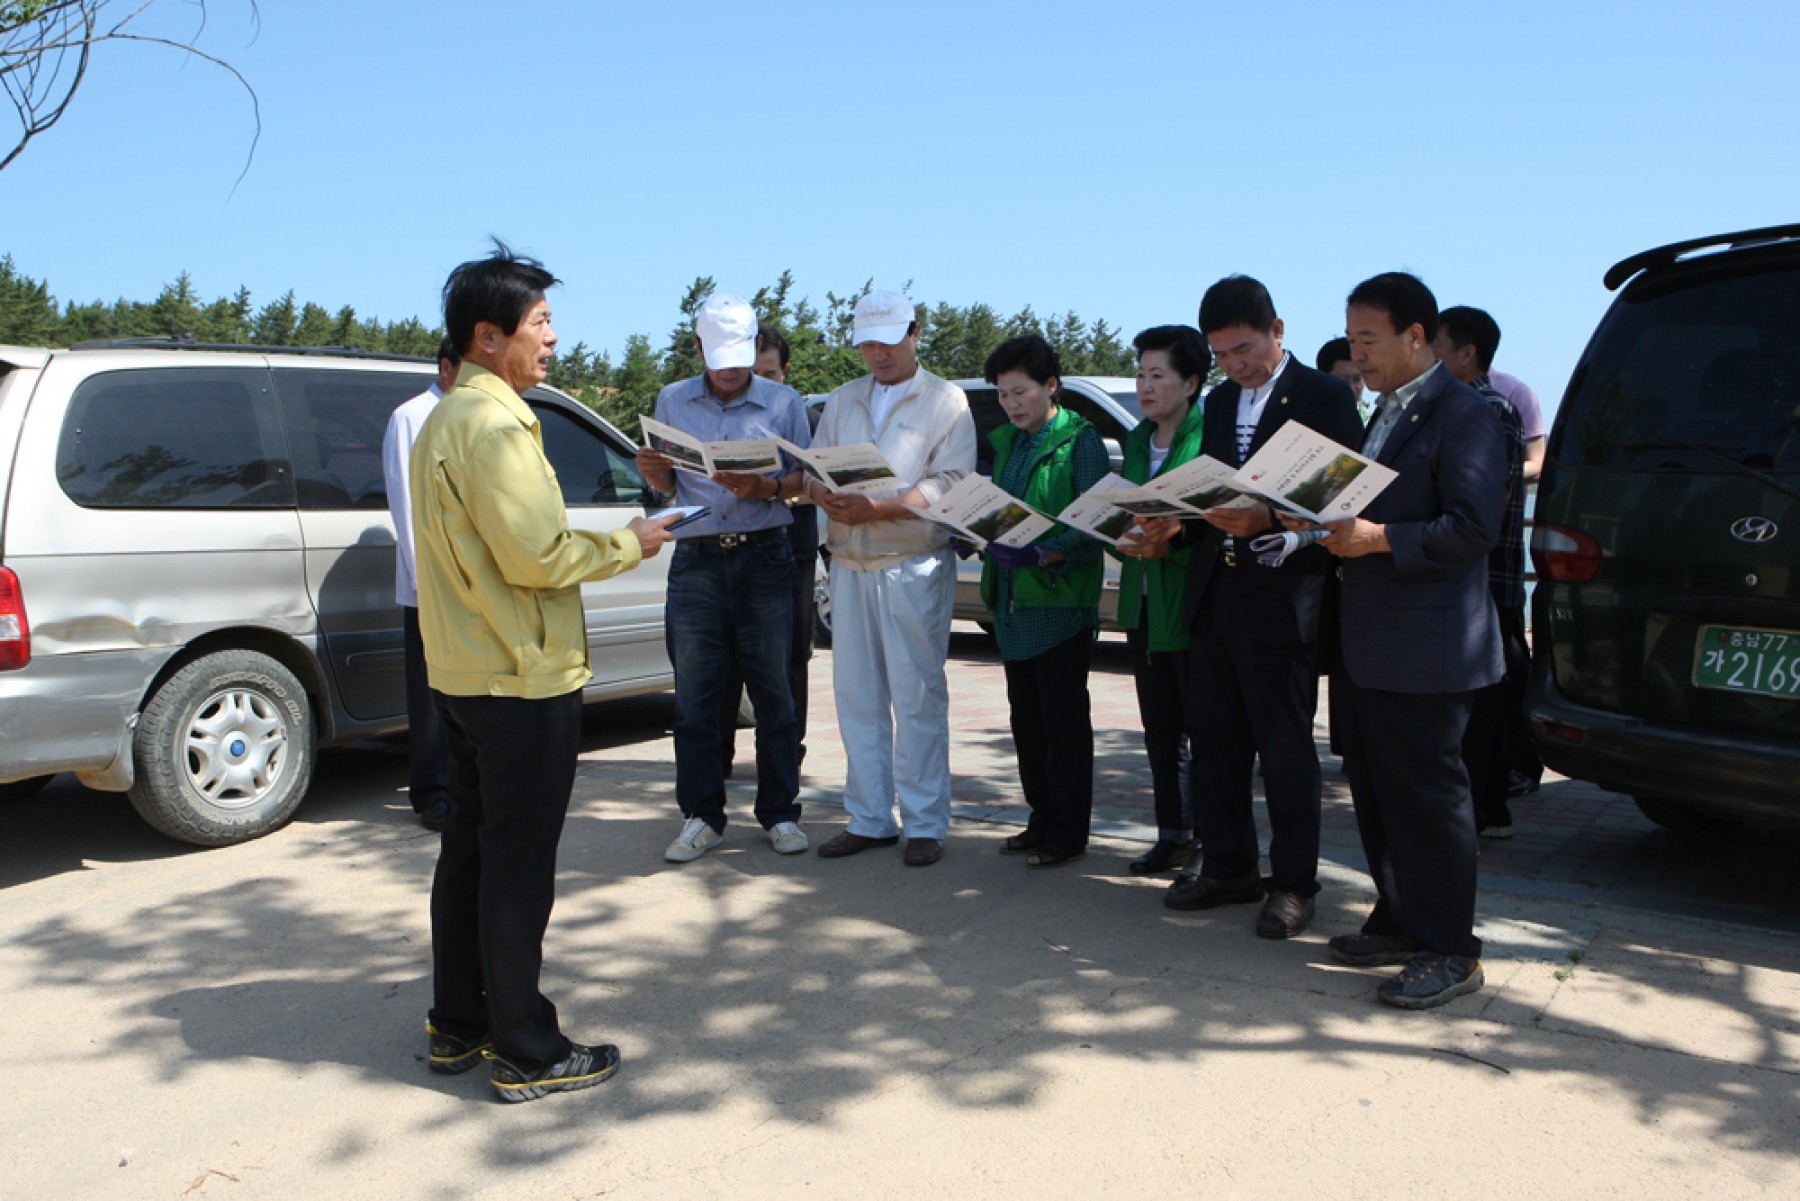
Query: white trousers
[{"x": 890, "y": 633}]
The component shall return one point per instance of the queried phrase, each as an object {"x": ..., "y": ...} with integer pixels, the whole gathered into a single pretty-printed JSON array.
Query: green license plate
[{"x": 1742, "y": 659}]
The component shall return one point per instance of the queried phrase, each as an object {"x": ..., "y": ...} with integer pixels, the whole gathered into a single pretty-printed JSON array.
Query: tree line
[{"x": 954, "y": 340}]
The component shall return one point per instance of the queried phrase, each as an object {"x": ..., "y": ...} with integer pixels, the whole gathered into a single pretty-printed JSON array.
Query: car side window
[
  {"x": 1104, "y": 423},
  {"x": 336, "y": 421},
  {"x": 984, "y": 407},
  {"x": 174, "y": 438},
  {"x": 589, "y": 467}
]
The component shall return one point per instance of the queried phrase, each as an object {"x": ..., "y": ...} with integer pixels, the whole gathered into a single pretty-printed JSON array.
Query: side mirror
[{"x": 1115, "y": 454}]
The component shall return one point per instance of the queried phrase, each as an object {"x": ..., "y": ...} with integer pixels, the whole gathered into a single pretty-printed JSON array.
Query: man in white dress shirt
[
  {"x": 430, "y": 781},
  {"x": 893, "y": 585}
]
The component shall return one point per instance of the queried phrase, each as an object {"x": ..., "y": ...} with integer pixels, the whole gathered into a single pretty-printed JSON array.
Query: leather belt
[{"x": 733, "y": 541}]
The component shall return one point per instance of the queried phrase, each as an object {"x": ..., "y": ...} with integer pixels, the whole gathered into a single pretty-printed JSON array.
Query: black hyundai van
[{"x": 1667, "y": 540}]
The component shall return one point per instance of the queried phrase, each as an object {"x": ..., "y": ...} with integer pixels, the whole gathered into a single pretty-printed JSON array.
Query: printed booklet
[
  {"x": 688, "y": 453},
  {"x": 983, "y": 512},
  {"x": 1306, "y": 473},
  {"x": 858, "y": 468}
]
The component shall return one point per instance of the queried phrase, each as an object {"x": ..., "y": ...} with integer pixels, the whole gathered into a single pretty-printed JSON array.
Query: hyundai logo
[{"x": 1754, "y": 529}]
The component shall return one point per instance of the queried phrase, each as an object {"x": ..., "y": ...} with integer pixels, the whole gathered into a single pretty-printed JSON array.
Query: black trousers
[
  {"x": 1521, "y": 753},
  {"x": 1403, "y": 754},
  {"x": 805, "y": 568},
  {"x": 1249, "y": 700},
  {"x": 512, "y": 765},
  {"x": 428, "y": 759},
  {"x": 1161, "y": 696},
  {"x": 1053, "y": 735},
  {"x": 1484, "y": 756}
]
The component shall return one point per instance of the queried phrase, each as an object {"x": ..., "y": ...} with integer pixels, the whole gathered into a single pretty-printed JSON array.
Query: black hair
[
  {"x": 770, "y": 338},
  {"x": 1404, "y": 298},
  {"x": 497, "y": 290},
  {"x": 1332, "y": 353},
  {"x": 1237, "y": 300},
  {"x": 1472, "y": 327},
  {"x": 1028, "y": 353},
  {"x": 1187, "y": 350},
  {"x": 447, "y": 351}
]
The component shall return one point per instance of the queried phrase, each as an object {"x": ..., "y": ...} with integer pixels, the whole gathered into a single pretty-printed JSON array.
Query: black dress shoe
[
  {"x": 1283, "y": 915},
  {"x": 923, "y": 852},
  {"x": 436, "y": 816},
  {"x": 853, "y": 844},
  {"x": 1519, "y": 784},
  {"x": 1203, "y": 892},
  {"x": 1166, "y": 854}
]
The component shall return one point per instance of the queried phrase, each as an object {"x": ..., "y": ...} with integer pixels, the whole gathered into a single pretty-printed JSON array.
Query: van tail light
[
  {"x": 15, "y": 631},
  {"x": 1567, "y": 556},
  {"x": 1563, "y": 732}
]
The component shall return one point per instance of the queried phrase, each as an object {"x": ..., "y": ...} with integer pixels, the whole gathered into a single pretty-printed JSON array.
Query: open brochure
[
  {"x": 858, "y": 468},
  {"x": 688, "y": 453},
  {"x": 983, "y": 512},
  {"x": 1306, "y": 473},
  {"x": 1092, "y": 513}
]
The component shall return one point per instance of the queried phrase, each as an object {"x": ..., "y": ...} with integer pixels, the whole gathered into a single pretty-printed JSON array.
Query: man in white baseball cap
[
  {"x": 893, "y": 584},
  {"x": 731, "y": 585}
]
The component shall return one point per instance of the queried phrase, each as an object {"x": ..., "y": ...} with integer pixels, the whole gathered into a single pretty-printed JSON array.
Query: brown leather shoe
[
  {"x": 1283, "y": 915},
  {"x": 1203, "y": 892},
  {"x": 923, "y": 852},
  {"x": 853, "y": 844}
]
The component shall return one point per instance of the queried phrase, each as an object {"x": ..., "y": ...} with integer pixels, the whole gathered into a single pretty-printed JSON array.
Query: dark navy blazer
[
  {"x": 1288, "y": 598},
  {"x": 1422, "y": 619}
]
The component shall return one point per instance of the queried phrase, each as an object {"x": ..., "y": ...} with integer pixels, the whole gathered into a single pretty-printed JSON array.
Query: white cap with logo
[
  {"x": 882, "y": 317},
  {"x": 726, "y": 327}
]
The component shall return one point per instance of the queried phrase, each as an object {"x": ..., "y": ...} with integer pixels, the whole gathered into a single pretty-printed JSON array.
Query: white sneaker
[
  {"x": 788, "y": 838},
  {"x": 696, "y": 839}
]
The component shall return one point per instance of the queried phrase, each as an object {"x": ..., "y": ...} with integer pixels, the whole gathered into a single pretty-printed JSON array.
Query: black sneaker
[
  {"x": 1371, "y": 950},
  {"x": 1519, "y": 784},
  {"x": 1428, "y": 980},
  {"x": 451, "y": 1055},
  {"x": 582, "y": 1067}
]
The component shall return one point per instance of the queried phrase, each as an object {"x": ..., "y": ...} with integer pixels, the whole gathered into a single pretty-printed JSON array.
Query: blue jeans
[{"x": 733, "y": 606}]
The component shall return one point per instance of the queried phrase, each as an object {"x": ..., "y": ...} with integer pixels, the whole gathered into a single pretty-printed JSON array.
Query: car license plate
[{"x": 1743, "y": 659}]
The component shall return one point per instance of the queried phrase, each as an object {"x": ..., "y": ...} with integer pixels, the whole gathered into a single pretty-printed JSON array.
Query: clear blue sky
[{"x": 1108, "y": 159}]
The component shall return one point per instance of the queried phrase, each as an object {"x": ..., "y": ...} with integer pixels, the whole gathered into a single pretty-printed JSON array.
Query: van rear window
[
  {"x": 1683, "y": 377},
  {"x": 174, "y": 439}
]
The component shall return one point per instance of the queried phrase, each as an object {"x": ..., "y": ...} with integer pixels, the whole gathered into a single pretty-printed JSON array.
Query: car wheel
[
  {"x": 822, "y": 608},
  {"x": 224, "y": 750},
  {"x": 1678, "y": 818},
  {"x": 18, "y": 790}
]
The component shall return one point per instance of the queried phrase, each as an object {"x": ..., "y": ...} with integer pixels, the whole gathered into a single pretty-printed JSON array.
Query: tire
[
  {"x": 18, "y": 790},
  {"x": 822, "y": 609},
  {"x": 224, "y": 750},
  {"x": 1678, "y": 818}
]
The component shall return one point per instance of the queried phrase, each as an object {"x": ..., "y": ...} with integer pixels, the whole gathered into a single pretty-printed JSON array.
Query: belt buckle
[
  {"x": 1228, "y": 552},
  {"x": 728, "y": 541}
]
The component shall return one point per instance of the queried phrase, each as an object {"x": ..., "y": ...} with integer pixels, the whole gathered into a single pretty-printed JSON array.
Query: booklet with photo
[
  {"x": 688, "y": 453},
  {"x": 1200, "y": 484},
  {"x": 858, "y": 468},
  {"x": 1135, "y": 498},
  {"x": 983, "y": 512},
  {"x": 1092, "y": 513},
  {"x": 1306, "y": 473}
]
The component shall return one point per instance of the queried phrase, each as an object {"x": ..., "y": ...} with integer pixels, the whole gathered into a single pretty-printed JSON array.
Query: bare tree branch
[{"x": 39, "y": 37}]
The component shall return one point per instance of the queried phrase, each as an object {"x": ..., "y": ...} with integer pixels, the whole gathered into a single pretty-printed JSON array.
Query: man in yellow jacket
[{"x": 500, "y": 613}]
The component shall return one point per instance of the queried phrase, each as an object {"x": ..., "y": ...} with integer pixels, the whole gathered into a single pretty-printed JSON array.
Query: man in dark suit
[
  {"x": 1253, "y": 630},
  {"x": 1418, "y": 637}
]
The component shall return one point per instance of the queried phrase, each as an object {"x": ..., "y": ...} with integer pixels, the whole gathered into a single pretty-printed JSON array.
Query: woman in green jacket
[
  {"x": 1045, "y": 598},
  {"x": 1173, "y": 361}
]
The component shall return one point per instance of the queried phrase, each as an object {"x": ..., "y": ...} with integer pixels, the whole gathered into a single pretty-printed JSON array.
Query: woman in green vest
[
  {"x": 1173, "y": 361},
  {"x": 1045, "y": 598}
]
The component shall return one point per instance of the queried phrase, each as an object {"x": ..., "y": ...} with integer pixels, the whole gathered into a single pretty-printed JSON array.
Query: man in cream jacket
[{"x": 893, "y": 585}]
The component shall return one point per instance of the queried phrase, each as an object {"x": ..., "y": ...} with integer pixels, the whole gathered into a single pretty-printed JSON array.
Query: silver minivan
[{"x": 197, "y": 570}]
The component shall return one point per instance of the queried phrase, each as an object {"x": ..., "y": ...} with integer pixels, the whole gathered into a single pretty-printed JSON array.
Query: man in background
[{"x": 429, "y": 781}]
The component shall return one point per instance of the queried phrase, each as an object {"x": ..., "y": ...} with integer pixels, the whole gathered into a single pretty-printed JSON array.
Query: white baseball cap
[
  {"x": 882, "y": 317},
  {"x": 726, "y": 327}
]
